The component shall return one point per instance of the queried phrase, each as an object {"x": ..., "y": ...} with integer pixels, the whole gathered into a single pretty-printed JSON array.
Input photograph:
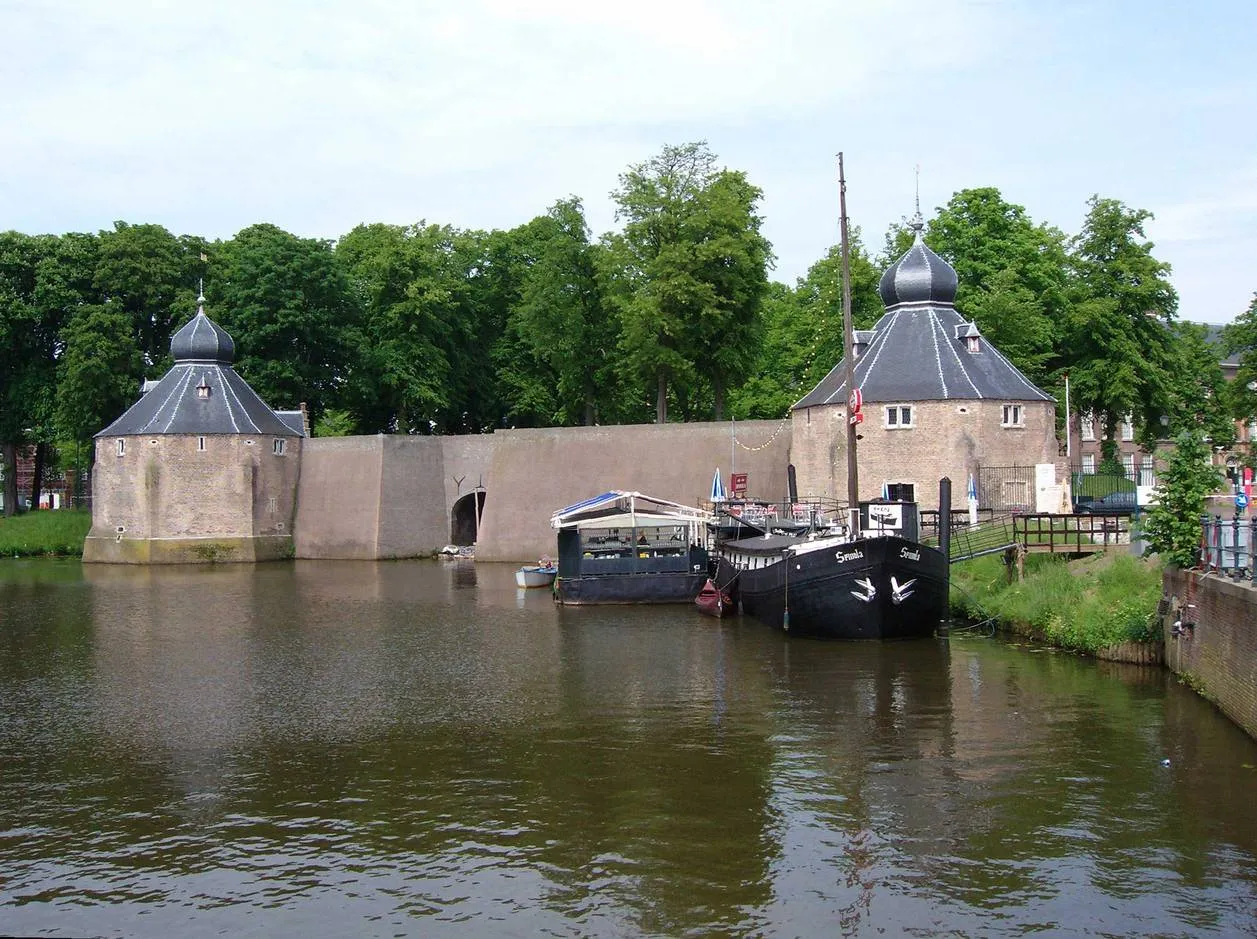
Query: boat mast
[{"x": 848, "y": 345}]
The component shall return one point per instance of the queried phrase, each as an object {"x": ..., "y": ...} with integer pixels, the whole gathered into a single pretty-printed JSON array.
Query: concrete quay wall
[
  {"x": 392, "y": 496},
  {"x": 1216, "y": 649}
]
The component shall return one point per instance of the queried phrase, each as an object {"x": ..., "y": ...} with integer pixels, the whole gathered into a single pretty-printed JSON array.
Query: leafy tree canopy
[{"x": 1172, "y": 526}]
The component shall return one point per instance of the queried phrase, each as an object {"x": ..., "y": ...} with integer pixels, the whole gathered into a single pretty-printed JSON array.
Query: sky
[{"x": 319, "y": 115}]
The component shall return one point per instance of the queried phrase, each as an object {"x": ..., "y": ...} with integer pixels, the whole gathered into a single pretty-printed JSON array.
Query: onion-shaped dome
[
  {"x": 920, "y": 276},
  {"x": 202, "y": 340}
]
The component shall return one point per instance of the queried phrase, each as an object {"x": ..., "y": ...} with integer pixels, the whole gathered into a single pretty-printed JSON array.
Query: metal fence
[
  {"x": 1226, "y": 546},
  {"x": 1006, "y": 489}
]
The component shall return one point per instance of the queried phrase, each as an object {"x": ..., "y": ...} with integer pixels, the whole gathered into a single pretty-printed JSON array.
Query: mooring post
[{"x": 944, "y": 545}]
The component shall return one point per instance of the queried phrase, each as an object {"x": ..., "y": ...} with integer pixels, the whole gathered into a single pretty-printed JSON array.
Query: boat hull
[
  {"x": 713, "y": 601},
  {"x": 535, "y": 576},
  {"x": 869, "y": 588},
  {"x": 669, "y": 587}
]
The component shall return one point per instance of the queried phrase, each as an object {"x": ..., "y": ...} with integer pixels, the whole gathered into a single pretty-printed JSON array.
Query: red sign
[
  {"x": 738, "y": 482},
  {"x": 856, "y": 401},
  {"x": 857, "y": 418}
]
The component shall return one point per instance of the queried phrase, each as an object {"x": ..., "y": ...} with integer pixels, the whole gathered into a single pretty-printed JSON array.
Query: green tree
[
  {"x": 688, "y": 273},
  {"x": 151, "y": 275},
  {"x": 1240, "y": 337},
  {"x": 99, "y": 372},
  {"x": 564, "y": 370},
  {"x": 1199, "y": 392},
  {"x": 286, "y": 303},
  {"x": 43, "y": 281},
  {"x": 1117, "y": 346},
  {"x": 803, "y": 331},
  {"x": 1172, "y": 526},
  {"x": 407, "y": 286}
]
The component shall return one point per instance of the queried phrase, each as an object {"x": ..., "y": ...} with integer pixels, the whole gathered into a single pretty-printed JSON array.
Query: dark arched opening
[{"x": 465, "y": 518}]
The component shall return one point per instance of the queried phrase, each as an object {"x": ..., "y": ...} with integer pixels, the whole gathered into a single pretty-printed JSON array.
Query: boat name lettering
[
  {"x": 844, "y": 556},
  {"x": 910, "y": 555}
]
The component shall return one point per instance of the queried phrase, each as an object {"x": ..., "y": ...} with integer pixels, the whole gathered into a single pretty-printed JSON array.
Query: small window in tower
[
  {"x": 203, "y": 390},
  {"x": 899, "y": 416},
  {"x": 974, "y": 344},
  {"x": 200, "y": 443},
  {"x": 1013, "y": 416},
  {"x": 122, "y": 447},
  {"x": 279, "y": 446}
]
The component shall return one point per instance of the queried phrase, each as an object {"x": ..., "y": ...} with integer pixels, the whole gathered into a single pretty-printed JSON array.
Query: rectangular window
[
  {"x": 200, "y": 443},
  {"x": 1087, "y": 427},
  {"x": 1252, "y": 431},
  {"x": 279, "y": 446},
  {"x": 899, "y": 416},
  {"x": 1128, "y": 465},
  {"x": 973, "y": 344},
  {"x": 1128, "y": 428},
  {"x": 1088, "y": 462},
  {"x": 900, "y": 492},
  {"x": 1147, "y": 475},
  {"x": 122, "y": 447},
  {"x": 1012, "y": 416}
]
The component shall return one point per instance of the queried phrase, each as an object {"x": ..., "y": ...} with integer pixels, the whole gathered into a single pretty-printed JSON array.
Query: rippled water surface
[{"x": 420, "y": 748}]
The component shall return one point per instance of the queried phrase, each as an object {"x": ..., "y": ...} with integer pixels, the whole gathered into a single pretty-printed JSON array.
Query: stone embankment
[{"x": 1210, "y": 624}]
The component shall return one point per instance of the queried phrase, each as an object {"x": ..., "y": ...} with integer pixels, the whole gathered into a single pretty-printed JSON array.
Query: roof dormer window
[
  {"x": 203, "y": 390},
  {"x": 973, "y": 343}
]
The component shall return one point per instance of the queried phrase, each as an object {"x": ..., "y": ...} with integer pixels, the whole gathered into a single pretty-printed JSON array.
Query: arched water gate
[{"x": 465, "y": 518}]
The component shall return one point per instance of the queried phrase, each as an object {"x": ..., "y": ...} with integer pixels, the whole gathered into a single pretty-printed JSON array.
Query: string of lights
[{"x": 767, "y": 443}]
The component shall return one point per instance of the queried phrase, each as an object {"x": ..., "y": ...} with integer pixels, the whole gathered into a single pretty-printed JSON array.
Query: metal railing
[{"x": 1226, "y": 546}]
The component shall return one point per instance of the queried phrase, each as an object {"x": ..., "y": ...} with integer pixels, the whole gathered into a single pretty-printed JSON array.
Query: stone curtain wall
[
  {"x": 338, "y": 498},
  {"x": 1218, "y": 657},
  {"x": 535, "y": 472},
  {"x": 949, "y": 438},
  {"x": 381, "y": 497}
]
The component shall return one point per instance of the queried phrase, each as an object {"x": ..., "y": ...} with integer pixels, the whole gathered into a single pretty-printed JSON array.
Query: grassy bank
[
  {"x": 1083, "y": 605},
  {"x": 35, "y": 534}
]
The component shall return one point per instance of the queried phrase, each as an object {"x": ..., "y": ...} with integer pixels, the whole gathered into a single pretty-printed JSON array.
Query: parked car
[{"x": 1121, "y": 502}]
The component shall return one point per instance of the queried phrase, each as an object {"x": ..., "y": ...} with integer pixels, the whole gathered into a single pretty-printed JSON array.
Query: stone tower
[
  {"x": 199, "y": 469},
  {"x": 939, "y": 399}
]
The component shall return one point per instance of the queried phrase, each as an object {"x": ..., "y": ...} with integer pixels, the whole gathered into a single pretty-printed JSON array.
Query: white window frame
[
  {"x": 1089, "y": 463},
  {"x": 1147, "y": 471},
  {"x": 893, "y": 417},
  {"x": 122, "y": 446},
  {"x": 1086, "y": 427},
  {"x": 1128, "y": 465},
  {"x": 973, "y": 344},
  {"x": 1013, "y": 415},
  {"x": 1128, "y": 428},
  {"x": 279, "y": 446},
  {"x": 200, "y": 444}
]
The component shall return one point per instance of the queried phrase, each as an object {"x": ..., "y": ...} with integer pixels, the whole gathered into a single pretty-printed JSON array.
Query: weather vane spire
[{"x": 917, "y": 221}]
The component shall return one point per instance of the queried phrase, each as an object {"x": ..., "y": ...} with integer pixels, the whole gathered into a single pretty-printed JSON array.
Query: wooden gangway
[{"x": 1040, "y": 533}]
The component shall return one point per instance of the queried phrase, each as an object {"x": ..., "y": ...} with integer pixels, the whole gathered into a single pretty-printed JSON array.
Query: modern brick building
[
  {"x": 200, "y": 468},
  {"x": 938, "y": 400}
]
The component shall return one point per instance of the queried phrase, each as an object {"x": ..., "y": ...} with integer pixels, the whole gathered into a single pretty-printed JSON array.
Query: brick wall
[
  {"x": 168, "y": 488},
  {"x": 1218, "y": 656},
  {"x": 948, "y": 438}
]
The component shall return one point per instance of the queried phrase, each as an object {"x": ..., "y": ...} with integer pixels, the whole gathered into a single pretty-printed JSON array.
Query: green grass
[
  {"x": 1082, "y": 605},
  {"x": 32, "y": 534}
]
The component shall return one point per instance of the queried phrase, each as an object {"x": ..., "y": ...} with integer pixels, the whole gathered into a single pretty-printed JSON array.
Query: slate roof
[
  {"x": 920, "y": 276},
  {"x": 201, "y": 394},
  {"x": 919, "y": 350}
]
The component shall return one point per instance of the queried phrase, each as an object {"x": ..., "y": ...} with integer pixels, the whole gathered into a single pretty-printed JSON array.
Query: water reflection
[{"x": 362, "y": 748}]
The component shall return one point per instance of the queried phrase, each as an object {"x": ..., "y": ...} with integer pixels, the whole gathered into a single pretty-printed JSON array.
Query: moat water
[{"x": 421, "y": 748}]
